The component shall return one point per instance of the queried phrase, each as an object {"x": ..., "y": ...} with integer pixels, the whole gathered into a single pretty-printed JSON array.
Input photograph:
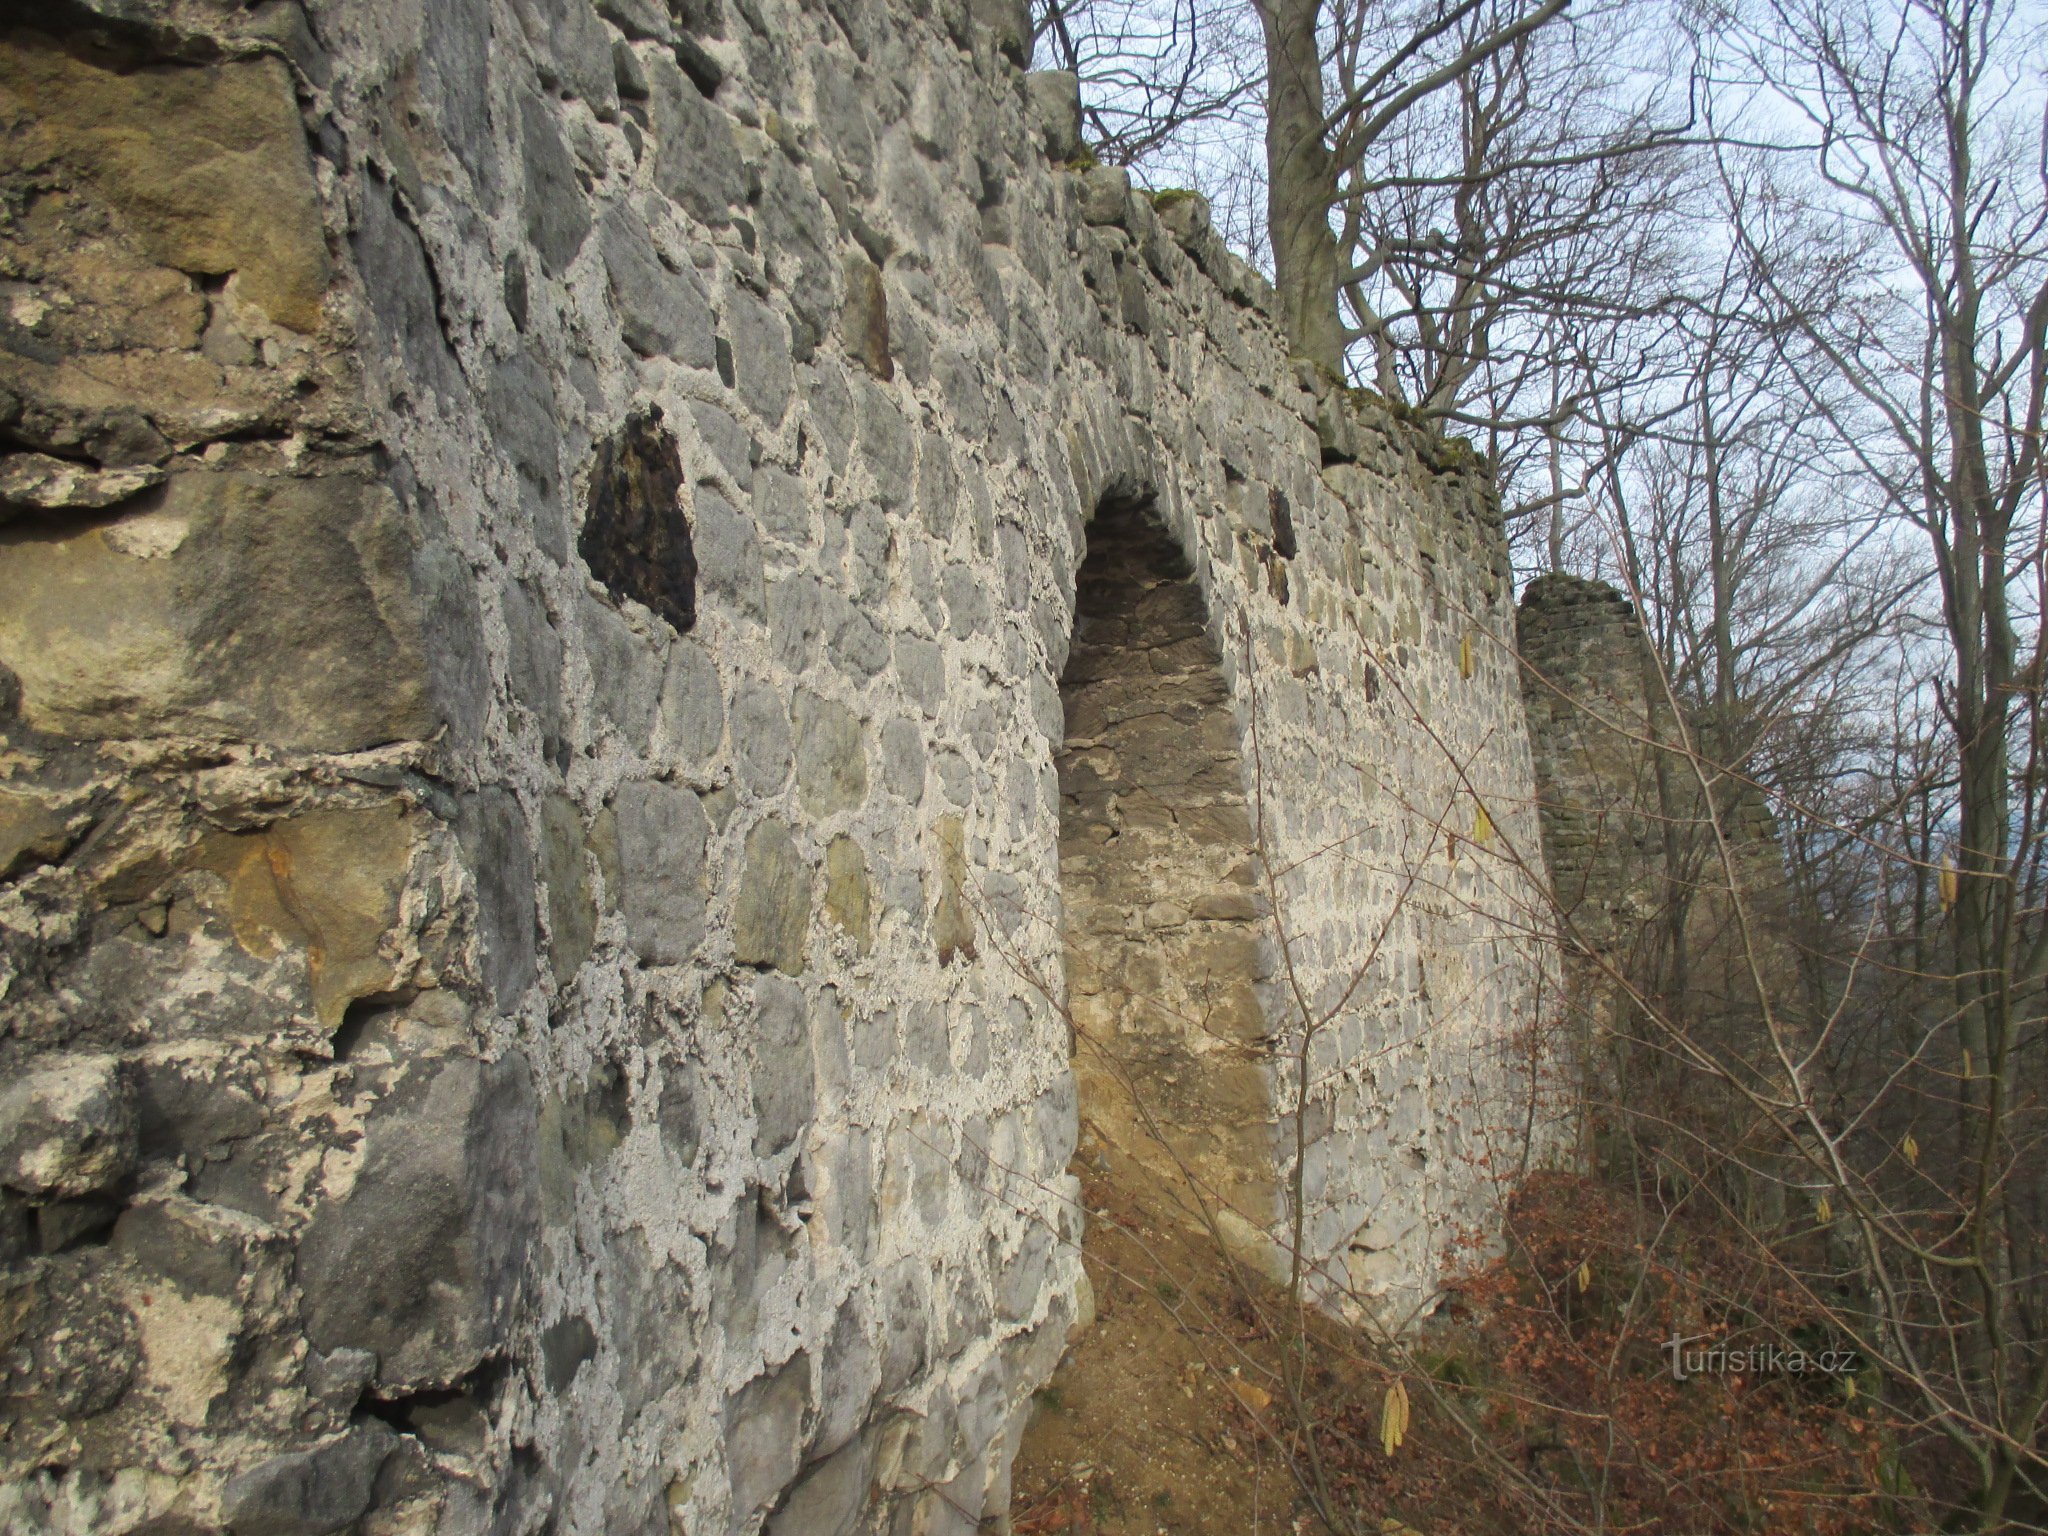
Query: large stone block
[
  {"x": 662, "y": 313},
  {"x": 192, "y": 616},
  {"x": 422, "y": 1257},
  {"x": 205, "y": 167},
  {"x": 327, "y": 883},
  {"x": 772, "y": 914},
  {"x": 661, "y": 835}
]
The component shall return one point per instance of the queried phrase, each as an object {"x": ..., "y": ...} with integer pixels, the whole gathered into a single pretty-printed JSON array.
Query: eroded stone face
[
  {"x": 411, "y": 1258},
  {"x": 206, "y": 164},
  {"x": 238, "y": 606}
]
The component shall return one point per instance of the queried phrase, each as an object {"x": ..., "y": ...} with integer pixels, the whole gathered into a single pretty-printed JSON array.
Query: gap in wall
[{"x": 1159, "y": 880}]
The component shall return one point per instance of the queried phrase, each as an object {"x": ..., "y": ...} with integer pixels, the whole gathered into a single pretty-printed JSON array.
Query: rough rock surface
[{"x": 541, "y": 543}]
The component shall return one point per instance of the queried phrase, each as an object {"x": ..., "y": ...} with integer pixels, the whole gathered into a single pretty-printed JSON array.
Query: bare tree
[
  {"x": 1903, "y": 254},
  {"x": 1154, "y": 72}
]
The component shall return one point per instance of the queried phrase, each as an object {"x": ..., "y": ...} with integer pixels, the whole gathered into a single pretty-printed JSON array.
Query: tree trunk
[{"x": 1301, "y": 178}]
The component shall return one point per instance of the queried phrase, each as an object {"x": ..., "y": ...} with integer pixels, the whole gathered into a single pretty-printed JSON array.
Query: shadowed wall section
[{"x": 1156, "y": 861}]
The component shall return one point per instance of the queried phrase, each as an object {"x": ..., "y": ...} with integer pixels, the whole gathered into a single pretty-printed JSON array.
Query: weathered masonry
[{"x": 540, "y": 550}]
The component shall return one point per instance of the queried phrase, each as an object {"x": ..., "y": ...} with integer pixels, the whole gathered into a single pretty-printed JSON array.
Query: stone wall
[
  {"x": 540, "y": 544},
  {"x": 1669, "y": 878}
]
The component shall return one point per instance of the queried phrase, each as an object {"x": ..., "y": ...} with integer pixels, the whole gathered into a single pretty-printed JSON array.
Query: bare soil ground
[{"x": 1152, "y": 1424}]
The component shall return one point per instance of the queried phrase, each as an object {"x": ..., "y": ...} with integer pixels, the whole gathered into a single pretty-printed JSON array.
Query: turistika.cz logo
[{"x": 1755, "y": 1359}]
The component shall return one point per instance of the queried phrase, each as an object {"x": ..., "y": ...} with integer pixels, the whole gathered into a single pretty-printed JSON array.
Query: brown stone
[
  {"x": 572, "y": 910},
  {"x": 327, "y": 882},
  {"x": 849, "y": 895},
  {"x": 772, "y": 914},
  {"x": 32, "y": 830},
  {"x": 865, "y": 320},
  {"x": 952, "y": 920},
  {"x": 204, "y": 166}
]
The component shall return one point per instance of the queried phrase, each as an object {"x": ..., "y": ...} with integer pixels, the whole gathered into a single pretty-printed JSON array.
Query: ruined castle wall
[
  {"x": 541, "y": 545},
  {"x": 1668, "y": 873}
]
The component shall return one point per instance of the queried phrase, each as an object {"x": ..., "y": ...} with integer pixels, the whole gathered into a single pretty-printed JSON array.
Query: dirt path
[{"x": 1149, "y": 1426}]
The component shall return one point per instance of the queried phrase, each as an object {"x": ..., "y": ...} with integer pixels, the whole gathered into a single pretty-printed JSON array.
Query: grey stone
[
  {"x": 1185, "y": 216},
  {"x": 903, "y": 760},
  {"x": 967, "y": 611},
  {"x": 309, "y": 1493},
  {"x": 628, "y": 77},
  {"x": 1022, "y": 1280},
  {"x": 639, "y": 18},
  {"x": 760, "y": 344},
  {"x": 828, "y": 408},
  {"x": 921, "y": 668},
  {"x": 800, "y": 227},
  {"x": 729, "y": 554},
  {"x": 393, "y": 263},
  {"x": 968, "y": 1319},
  {"x": 803, "y": 613},
  {"x": 785, "y": 1094},
  {"x": 728, "y": 442},
  {"x": 764, "y": 1437},
  {"x": 337, "y": 1380},
  {"x": 661, "y": 836},
  {"x": 874, "y": 1039},
  {"x": 434, "y": 1231},
  {"x": 696, "y": 162},
  {"x": 1007, "y": 25},
  {"x": 69, "y": 1129},
  {"x": 625, "y": 673},
  {"x": 870, "y": 542},
  {"x": 846, "y": 125},
  {"x": 574, "y": 51},
  {"x": 886, "y": 443},
  {"x": 557, "y": 215},
  {"x": 956, "y": 779},
  {"x": 937, "y": 495},
  {"x": 492, "y": 830},
  {"x": 762, "y": 748},
  {"x": 661, "y": 313},
  {"x": 565, "y": 875},
  {"x": 1106, "y": 195},
  {"x": 781, "y": 510},
  {"x": 904, "y": 1310},
  {"x": 521, "y": 408},
  {"x": 772, "y": 914},
  {"x": 828, "y": 1500},
  {"x": 1055, "y": 96},
  {"x": 692, "y": 719},
  {"x": 831, "y": 760},
  {"x": 959, "y": 382},
  {"x": 1014, "y": 553}
]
